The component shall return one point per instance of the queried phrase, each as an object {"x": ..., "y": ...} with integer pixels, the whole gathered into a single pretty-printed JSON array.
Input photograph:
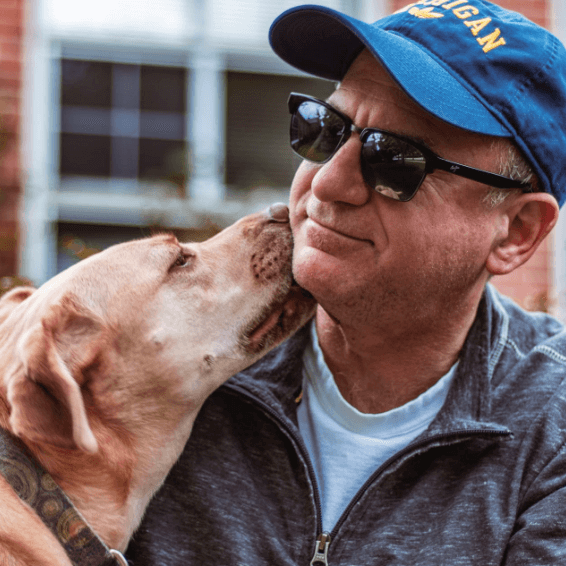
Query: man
[{"x": 422, "y": 418}]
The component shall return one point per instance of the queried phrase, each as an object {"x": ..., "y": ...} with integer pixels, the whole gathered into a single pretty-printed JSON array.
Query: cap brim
[{"x": 323, "y": 42}]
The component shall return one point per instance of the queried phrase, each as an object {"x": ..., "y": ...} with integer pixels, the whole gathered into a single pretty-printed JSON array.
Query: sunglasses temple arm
[{"x": 485, "y": 177}]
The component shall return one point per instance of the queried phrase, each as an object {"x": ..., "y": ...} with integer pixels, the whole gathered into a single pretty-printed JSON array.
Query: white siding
[
  {"x": 248, "y": 20},
  {"x": 153, "y": 19}
]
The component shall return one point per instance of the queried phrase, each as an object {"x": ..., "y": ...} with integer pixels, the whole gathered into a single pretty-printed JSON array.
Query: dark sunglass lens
[
  {"x": 316, "y": 131},
  {"x": 392, "y": 166}
]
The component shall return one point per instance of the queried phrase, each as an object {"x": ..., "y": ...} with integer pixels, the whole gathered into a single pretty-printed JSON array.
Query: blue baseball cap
[{"x": 469, "y": 62}]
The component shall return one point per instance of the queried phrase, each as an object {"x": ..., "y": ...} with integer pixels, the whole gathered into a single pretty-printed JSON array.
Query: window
[{"x": 122, "y": 122}]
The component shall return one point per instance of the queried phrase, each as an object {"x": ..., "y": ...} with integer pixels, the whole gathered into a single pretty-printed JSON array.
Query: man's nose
[{"x": 340, "y": 179}]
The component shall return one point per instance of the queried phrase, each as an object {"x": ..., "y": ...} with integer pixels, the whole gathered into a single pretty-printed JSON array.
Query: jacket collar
[
  {"x": 276, "y": 379},
  {"x": 468, "y": 404}
]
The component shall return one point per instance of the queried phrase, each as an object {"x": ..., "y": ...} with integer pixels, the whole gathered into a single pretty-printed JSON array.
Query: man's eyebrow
[{"x": 426, "y": 140}]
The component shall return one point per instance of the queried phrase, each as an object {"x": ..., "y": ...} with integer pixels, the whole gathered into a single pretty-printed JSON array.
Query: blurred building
[
  {"x": 148, "y": 114},
  {"x": 11, "y": 71},
  {"x": 120, "y": 117}
]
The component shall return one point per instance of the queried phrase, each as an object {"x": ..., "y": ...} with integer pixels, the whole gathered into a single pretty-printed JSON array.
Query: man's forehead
[{"x": 372, "y": 98}]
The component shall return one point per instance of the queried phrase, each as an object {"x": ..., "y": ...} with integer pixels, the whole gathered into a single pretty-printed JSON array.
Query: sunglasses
[{"x": 393, "y": 165}]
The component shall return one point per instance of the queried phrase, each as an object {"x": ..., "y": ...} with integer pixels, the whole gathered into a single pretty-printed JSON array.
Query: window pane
[
  {"x": 126, "y": 86},
  {"x": 163, "y": 89},
  {"x": 85, "y": 155},
  {"x": 163, "y": 159},
  {"x": 86, "y": 83},
  {"x": 138, "y": 133},
  {"x": 124, "y": 157},
  {"x": 85, "y": 120},
  {"x": 162, "y": 125}
]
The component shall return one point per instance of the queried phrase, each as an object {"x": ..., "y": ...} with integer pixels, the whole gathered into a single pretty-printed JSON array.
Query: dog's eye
[{"x": 183, "y": 260}]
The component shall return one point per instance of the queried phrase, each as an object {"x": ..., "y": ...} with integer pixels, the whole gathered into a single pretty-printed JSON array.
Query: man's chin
[{"x": 319, "y": 274}]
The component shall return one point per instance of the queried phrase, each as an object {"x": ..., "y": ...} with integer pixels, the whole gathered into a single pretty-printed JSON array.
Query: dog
[{"x": 105, "y": 367}]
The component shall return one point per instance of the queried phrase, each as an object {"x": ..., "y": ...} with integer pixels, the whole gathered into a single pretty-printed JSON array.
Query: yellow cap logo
[
  {"x": 425, "y": 13},
  {"x": 468, "y": 13}
]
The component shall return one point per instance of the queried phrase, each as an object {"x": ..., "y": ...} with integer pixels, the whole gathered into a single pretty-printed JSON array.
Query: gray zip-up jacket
[{"x": 485, "y": 484}]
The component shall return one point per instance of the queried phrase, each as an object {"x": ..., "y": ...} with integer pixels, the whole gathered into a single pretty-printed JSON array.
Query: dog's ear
[
  {"x": 10, "y": 300},
  {"x": 45, "y": 394}
]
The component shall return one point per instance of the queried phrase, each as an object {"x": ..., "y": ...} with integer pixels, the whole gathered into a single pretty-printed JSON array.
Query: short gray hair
[{"x": 512, "y": 164}]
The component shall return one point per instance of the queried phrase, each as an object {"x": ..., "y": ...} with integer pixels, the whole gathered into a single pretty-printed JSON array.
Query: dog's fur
[{"x": 104, "y": 368}]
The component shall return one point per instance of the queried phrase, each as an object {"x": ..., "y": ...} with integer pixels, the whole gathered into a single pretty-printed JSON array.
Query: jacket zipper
[
  {"x": 321, "y": 550},
  {"x": 323, "y": 540}
]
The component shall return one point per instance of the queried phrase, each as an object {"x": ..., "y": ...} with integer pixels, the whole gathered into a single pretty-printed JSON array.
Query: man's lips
[{"x": 322, "y": 226}]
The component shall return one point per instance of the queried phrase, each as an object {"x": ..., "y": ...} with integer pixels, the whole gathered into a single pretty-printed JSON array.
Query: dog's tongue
[
  {"x": 263, "y": 329},
  {"x": 277, "y": 317}
]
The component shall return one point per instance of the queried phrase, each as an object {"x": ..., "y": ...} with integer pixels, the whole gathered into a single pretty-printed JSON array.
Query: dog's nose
[{"x": 278, "y": 212}]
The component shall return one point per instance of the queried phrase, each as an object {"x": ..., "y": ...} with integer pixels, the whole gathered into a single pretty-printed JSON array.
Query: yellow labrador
[{"x": 104, "y": 367}]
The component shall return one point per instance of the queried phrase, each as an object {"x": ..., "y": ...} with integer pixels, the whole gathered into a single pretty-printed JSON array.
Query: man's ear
[
  {"x": 44, "y": 391},
  {"x": 530, "y": 218}
]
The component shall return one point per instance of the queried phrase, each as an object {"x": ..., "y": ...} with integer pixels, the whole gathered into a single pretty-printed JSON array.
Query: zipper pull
[{"x": 321, "y": 550}]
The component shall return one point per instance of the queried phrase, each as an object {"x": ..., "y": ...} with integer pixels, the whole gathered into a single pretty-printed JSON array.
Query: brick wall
[
  {"x": 11, "y": 38},
  {"x": 535, "y": 10},
  {"x": 531, "y": 284}
]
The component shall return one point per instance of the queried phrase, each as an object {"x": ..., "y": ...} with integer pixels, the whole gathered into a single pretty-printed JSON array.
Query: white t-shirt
[{"x": 347, "y": 446}]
